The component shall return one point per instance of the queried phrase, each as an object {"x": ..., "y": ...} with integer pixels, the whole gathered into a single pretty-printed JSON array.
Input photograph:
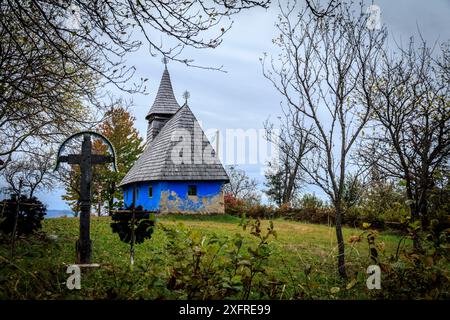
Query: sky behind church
[{"x": 242, "y": 98}]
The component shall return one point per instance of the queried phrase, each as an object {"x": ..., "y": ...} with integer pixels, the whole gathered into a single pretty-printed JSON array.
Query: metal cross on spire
[
  {"x": 165, "y": 61},
  {"x": 186, "y": 96}
]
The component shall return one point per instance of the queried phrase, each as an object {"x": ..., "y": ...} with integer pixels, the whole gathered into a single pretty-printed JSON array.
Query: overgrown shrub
[
  {"x": 133, "y": 227},
  {"x": 313, "y": 215},
  {"x": 411, "y": 273},
  {"x": 206, "y": 266},
  {"x": 310, "y": 208},
  {"x": 390, "y": 216},
  {"x": 308, "y": 201},
  {"x": 29, "y": 217},
  {"x": 233, "y": 205},
  {"x": 259, "y": 211},
  {"x": 123, "y": 224}
]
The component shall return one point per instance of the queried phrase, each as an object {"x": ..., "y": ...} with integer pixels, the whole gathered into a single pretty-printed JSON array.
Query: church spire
[{"x": 165, "y": 102}]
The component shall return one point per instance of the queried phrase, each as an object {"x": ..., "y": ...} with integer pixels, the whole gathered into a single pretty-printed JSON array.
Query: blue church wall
[
  {"x": 142, "y": 195},
  {"x": 172, "y": 196}
]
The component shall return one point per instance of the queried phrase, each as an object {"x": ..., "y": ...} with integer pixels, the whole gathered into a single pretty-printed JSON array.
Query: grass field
[{"x": 302, "y": 257}]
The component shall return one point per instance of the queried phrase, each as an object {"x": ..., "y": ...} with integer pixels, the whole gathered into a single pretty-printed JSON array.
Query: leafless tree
[
  {"x": 241, "y": 186},
  {"x": 34, "y": 172},
  {"x": 410, "y": 136},
  {"x": 43, "y": 96},
  {"x": 324, "y": 71},
  {"x": 322, "y": 11},
  {"x": 108, "y": 27},
  {"x": 444, "y": 61},
  {"x": 293, "y": 142},
  {"x": 55, "y": 55}
]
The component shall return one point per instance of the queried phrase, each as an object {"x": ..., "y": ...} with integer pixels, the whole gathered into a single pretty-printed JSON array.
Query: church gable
[{"x": 181, "y": 151}]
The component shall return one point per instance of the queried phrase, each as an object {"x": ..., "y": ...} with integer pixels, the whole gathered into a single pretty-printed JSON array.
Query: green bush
[
  {"x": 309, "y": 201},
  {"x": 234, "y": 206},
  {"x": 133, "y": 227},
  {"x": 390, "y": 217},
  {"x": 262, "y": 212},
  {"x": 372, "y": 209},
  {"x": 414, "y": 273},
  {"x": 29, "y": 217},
  {"x": 123, "y": 224},
  {"x": 205, "y": 266}
]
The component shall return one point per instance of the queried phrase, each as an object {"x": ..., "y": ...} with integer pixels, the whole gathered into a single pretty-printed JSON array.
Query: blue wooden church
[{"x": 178, "y": 171}]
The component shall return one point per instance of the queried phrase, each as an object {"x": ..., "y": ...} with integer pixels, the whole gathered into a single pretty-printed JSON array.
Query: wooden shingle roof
[
  {"x": 180, "y": 151},
  {"x": 165, "y": 102}
]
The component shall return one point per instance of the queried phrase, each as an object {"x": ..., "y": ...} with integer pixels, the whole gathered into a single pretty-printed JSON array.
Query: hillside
[{"x": 301, "y": 263}]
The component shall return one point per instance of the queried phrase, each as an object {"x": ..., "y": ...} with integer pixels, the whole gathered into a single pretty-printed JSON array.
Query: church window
[{"x": 192, "y": 190}]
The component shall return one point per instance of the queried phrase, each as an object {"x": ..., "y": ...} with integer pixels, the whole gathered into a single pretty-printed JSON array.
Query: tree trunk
[
  {"x": 340, "y": 242},
  {"x": 287, "y": 197},
  {"x": 413, "y": 206},
  {"x": 99, "y": 207},
  {"x": 110, "y": 204},
  {"x": 423, "y": 206},
  {"x": 111, "y": 197},
  {"x": 415, "y": 217},
  {"x": 14, "y": 231},
  {"x": 32, "y": 192}
]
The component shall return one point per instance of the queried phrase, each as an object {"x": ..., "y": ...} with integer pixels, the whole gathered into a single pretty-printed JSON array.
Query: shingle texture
[
  {"x": 180, "y": 151},
  {"x": 165, "y": 102}
]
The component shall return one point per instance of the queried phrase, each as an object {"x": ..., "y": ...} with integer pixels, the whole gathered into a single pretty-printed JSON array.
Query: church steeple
[
  {"x": 164, "y": 106},
  {"x": 165, "y": 102}
]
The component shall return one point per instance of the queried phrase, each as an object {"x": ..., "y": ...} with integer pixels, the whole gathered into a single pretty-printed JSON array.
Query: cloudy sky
[{"x": 242, "y": 98}]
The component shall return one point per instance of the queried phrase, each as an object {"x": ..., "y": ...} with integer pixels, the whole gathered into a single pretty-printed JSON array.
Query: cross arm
[
  {"x": 97, "y": 158},
  {"x": 71, "y": 159}
]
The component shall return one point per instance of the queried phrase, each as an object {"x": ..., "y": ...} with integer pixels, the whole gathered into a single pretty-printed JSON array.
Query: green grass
[{"x": 38, "y": 270}]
